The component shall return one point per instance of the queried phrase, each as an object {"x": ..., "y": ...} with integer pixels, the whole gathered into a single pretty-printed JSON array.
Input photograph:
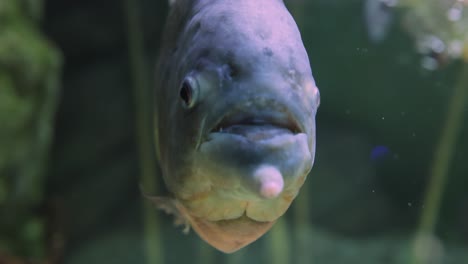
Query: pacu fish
[{"x": 234, "y": 117}]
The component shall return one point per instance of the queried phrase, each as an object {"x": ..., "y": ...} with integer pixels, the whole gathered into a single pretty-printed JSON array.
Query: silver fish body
[{"x": 235, "y": 116}]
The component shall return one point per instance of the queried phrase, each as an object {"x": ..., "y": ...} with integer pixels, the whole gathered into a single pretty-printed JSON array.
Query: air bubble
[
  {"x": 455, "y": 13},
  {"x": 429, "y": 63}
]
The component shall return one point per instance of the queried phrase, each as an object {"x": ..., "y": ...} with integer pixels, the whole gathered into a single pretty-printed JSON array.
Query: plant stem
[
  {"x": 441, "y": 165},
  {"x": 143, "y": 102},
  {"x": 279, "y": 244}
]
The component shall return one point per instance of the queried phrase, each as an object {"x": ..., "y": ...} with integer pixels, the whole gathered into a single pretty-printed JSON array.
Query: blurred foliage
[
  {"x": 29, "y": 74},
  {"x": 439, "y": 29}
]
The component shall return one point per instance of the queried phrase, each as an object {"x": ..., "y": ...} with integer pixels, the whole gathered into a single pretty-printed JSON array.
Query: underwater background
[{"x": 390, "y": 179}]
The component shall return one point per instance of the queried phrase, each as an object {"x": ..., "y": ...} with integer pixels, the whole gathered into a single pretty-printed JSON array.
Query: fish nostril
[
  {"x": 189, "y": 92},
  {"x": 186, "y": 93},
  {"x": 233, "y": 70}
]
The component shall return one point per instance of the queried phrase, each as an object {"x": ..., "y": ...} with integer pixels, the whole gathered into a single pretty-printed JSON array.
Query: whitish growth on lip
[{"x": 270, "y": 181}]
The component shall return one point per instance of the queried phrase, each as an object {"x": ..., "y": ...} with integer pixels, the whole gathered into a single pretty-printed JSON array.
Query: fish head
[{"x": 235, "y": 123}]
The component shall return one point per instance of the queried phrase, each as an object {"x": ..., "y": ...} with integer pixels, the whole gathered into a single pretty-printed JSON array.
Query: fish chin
[{"x": 227, "y": 236}]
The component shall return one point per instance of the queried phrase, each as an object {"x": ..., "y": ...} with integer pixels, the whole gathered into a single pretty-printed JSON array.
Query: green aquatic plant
[
  {"x": 143, "y": 110},
  {"x": 439, "y": 29},
  {"x": 440, "y": 170},
  {"x": 29, "y": 88}
]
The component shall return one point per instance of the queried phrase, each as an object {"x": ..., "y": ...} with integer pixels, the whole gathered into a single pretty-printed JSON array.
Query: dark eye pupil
[{"x": 186, "y": 93}]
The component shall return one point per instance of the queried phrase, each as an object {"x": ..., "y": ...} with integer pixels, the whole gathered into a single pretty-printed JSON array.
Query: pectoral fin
[{"x": 171, "y": 206}]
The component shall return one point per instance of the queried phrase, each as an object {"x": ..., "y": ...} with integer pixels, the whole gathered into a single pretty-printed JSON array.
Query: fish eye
[{"x": 189, "y": 90}]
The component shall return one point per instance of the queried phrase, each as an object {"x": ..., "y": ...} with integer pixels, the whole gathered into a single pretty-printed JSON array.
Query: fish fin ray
[{"x": 171, "y": 207}]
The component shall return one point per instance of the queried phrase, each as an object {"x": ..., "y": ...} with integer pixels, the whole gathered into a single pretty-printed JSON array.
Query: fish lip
[{"x": 278, "y": 117}]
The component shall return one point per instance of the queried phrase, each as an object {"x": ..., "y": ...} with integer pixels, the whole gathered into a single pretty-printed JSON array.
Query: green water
[{"x": 390, "y": 176}]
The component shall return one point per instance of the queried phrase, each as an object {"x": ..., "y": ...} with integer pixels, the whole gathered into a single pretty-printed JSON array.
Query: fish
[{"x": 234, "y": 117}]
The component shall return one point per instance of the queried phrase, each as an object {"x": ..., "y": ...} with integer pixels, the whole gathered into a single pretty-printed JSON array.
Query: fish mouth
[{"x": 258, "y": 124}]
